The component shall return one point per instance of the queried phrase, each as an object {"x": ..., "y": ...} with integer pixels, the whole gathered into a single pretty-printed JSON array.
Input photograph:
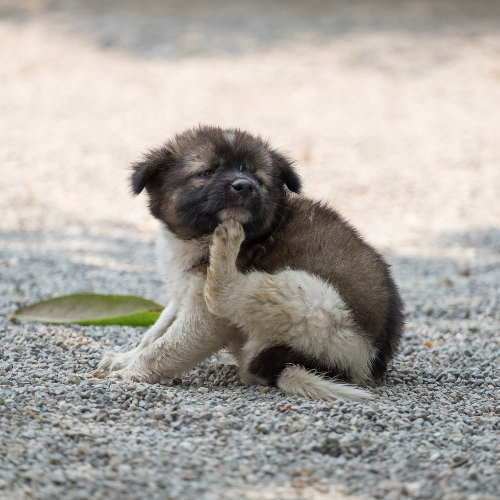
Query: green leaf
[{"x": 92, "y": 309}]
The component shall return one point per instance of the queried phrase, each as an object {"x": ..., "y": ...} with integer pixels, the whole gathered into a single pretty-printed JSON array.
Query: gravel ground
[{"x": 393, "y": 111}]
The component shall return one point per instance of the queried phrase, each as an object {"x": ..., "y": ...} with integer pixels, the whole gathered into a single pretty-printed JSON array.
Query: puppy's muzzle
[
  {"x": 241, "y": 192},
  {"x": 244, "y": 187},
  {"x": 241, "y": 199}
]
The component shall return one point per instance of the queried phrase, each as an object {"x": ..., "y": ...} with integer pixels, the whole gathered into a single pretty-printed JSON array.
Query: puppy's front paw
[
  {"x": 111, "y": 362},
  {"x": 98, "y": 373},
  {"x": 135, "y": 375},
  {"x": 105, "y": 363},
  {"x": 124, "y": 374}
]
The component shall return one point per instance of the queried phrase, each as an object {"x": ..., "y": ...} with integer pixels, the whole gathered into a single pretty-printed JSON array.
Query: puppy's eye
[
  {"x": 259, "y": 181},
  {"x": 206, "y": 173}
]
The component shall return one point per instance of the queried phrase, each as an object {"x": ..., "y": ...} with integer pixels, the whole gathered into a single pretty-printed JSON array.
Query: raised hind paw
[{"x": 222, "y": 271}]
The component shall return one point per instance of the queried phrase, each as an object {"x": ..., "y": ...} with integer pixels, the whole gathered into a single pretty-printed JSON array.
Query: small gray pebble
[{"x": 74, "y": 379}]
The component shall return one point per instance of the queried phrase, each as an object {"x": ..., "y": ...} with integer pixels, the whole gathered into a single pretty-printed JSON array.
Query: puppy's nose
[{"x": 243, "y": 187}]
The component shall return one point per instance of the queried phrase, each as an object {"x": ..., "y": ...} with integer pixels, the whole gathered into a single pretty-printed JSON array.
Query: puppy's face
[{"x": 206, "y": 175}]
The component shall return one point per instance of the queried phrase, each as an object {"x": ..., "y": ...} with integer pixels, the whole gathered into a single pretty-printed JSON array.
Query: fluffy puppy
[{"x": 281, "y": 281}]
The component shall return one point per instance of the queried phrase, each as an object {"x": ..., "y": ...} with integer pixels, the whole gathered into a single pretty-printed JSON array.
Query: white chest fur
[{"x": 176, "y": 258}]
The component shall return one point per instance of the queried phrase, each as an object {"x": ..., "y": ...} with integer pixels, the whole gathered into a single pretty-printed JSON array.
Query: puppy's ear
[
  {"x": 147, "y": 171},
  {"x": 286, "y": 172}
]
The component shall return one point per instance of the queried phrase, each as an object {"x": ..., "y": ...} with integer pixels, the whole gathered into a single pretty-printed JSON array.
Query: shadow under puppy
[{"x": 281, "y": 281}]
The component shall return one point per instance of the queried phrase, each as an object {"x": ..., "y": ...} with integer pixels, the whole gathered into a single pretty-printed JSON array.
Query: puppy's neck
[{"x": 184, "y": 254}]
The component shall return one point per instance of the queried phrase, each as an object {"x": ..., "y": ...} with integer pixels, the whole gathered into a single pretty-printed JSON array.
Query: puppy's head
[{"x": 207, "y": 174}]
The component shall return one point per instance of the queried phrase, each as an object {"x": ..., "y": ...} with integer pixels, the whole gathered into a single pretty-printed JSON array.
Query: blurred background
[{"x": 391, "y": 108}]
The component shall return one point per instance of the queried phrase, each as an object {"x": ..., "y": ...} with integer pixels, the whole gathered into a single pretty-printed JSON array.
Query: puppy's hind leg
[
  {"x": 222, "y": 272},
  {"x": 294, "y": 310}
]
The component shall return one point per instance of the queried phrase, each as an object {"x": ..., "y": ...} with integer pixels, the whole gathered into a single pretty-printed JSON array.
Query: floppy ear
[
  {"x": 147, "y": 171},
  {"x": 286, "y": 172}
]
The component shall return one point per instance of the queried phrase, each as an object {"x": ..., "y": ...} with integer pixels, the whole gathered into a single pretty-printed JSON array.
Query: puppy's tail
[{"x": 297, "y": 381}]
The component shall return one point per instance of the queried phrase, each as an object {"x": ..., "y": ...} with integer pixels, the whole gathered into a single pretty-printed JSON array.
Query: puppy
[{"x": 281, "y": 281}]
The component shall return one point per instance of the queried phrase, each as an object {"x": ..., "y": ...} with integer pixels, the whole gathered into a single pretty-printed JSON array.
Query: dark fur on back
[{"x": 188, "y": 182}]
